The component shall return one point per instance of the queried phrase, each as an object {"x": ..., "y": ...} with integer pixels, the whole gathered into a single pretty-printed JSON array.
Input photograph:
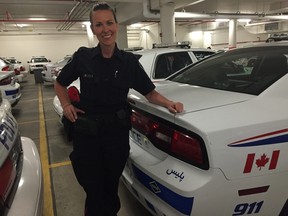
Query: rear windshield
[{"x": 248, "y": 72}]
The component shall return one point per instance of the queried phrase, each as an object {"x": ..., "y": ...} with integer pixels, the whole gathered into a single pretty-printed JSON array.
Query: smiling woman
[{"x": 107, "y": 76}]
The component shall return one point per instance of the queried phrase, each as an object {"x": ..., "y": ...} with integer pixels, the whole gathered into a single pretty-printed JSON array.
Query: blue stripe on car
[
  {"x": 268, "y": 141},
  {"x": 180, "y": 203},
  {"x": 11, "y": 92}
]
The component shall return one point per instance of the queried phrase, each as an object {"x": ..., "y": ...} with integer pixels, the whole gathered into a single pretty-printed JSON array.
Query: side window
[{"x": 167, "y": 64}]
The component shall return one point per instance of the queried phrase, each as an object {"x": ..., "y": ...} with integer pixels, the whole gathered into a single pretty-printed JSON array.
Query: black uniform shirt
[{"x": 105, "y": 82}]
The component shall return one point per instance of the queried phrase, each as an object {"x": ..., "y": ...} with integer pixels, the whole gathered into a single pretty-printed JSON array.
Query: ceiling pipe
[
  {"x": 79, "y": 10},
  {"x": 80, "y": 13},
  {"x": 68, "y": 13},
  {"x": 76, "y": 6}
]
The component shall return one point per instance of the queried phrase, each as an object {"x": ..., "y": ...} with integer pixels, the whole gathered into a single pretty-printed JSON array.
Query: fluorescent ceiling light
[
  {"x": 244, "y": 20},
  {"x": 37, "y": 19},
  {"x": 221, "y": 20},
  {"x": 136, "y": 25},
  {"x": 282, "y": 17},
  {"x": 189, "y": 15},
  {"x": 22, "y": 25}
]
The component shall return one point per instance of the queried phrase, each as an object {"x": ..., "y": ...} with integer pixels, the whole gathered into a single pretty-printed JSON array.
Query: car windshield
[
  {"x": 246, "y": 71},
  {"x": 34, "y": 60}
]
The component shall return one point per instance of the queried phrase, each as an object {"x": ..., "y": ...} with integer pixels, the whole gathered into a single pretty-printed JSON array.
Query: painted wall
[{"x": 54, "y": 47}]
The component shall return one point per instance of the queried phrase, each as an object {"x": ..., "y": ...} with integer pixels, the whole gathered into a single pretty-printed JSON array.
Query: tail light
[
  {"x": 172, "y": 139},
  {"x": 7, "y": 176},
  {"x": 22, "y": 68},
  {"x": 6, "y": 68},
  {"x": 16, "y": 71},
  {"x": 6, "y": 81}
]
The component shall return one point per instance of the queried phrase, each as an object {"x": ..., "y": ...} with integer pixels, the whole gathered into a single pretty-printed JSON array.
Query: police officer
[{"x": 106, "y": 73}]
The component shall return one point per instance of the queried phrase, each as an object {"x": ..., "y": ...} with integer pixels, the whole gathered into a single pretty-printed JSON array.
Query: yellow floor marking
[
  {"x": 64, "y": 163},
  {"x": 48, "y": 201}
]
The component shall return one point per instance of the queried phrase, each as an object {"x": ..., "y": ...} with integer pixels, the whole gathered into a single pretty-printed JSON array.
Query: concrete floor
[{"x": 38, "y": 121}]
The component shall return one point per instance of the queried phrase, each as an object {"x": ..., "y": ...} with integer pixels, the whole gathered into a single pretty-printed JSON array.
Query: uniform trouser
[{"x": 98, "y": 162}]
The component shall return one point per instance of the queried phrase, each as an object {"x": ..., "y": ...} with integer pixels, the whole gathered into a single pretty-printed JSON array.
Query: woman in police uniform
[{"x": 106, "y": 73}]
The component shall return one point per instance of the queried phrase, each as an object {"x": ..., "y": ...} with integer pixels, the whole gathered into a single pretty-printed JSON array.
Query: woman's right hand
[{"x": 70, "y": 112}]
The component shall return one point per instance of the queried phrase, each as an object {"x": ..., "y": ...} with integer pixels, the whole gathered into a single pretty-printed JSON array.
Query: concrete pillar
[
  {"x": 122, "y": 39},
  {"x": 167, "y": 22},
  {"x": 90, "y": 36},
  {"x": 232, "y": 33}
]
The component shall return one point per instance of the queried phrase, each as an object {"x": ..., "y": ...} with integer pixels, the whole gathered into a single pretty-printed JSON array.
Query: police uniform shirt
[{"x": 105, "y": 82}]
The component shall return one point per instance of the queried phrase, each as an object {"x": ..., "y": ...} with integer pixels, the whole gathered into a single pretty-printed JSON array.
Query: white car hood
[{"x": 194, "y": 98}]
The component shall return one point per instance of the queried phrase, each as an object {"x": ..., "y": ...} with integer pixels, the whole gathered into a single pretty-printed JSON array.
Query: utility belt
[{"x": 91, "y": 123}]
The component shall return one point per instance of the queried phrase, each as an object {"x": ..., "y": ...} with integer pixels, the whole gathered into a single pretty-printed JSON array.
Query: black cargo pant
[{"x": 98, "y": 162}]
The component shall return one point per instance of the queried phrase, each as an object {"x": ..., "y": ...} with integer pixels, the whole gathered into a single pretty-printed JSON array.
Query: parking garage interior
[{"x": 143, "y": 26}]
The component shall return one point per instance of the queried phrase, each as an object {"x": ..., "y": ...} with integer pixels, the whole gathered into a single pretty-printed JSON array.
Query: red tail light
[
  {"x": 7, "y": 176},
  {"x": 178, "y": 142},
  {"x": 22, "y": 68},
  {"x": 6, "y": 68},
  {"x": 16, "y": 71},
  {"x": 6, "y": 81}
]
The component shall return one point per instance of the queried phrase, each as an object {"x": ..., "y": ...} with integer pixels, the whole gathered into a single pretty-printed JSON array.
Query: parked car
[
  {"x": 18, "y": 67},
  {"x": 21, "y": 182},
  {"x": 7, "y": 67},
  {"x": 52, "y": 70},
  {"x": 56, "y": 103},
  {"x": 37, "y": 63},
  {"x": 226, "y": 153},
  {"x": 9, "y": 88},
  {"x": 277, "y": 37},
  {"x": 159, "y": 63}
]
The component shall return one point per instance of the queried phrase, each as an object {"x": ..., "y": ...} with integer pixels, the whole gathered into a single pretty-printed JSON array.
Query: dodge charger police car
[{"x": 226, "y": 154}]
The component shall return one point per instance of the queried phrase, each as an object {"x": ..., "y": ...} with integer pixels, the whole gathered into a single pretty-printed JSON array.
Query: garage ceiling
[{"x": 67, "y": 16}]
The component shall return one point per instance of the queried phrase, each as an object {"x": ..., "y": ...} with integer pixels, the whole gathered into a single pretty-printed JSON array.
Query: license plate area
[{"x": 139, "y": 139}]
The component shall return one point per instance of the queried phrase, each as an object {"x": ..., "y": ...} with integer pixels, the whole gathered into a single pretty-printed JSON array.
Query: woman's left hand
[{"x": 175, "y": 107}]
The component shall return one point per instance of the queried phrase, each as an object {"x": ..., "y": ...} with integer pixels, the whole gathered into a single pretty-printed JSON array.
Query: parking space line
[
  {"x": 48, "y": 201},
  {"x": 64, "y": 163}
]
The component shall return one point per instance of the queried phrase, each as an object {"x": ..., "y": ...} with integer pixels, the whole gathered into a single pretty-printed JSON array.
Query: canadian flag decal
[{"x": 261, "y": 161}]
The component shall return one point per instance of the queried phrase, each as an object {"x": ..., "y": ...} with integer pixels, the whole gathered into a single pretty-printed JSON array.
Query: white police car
[
  {"x": 37, "y": 63},
  {"x": 226, "y": 153},
  {"x": 9, "y": 88},
  {"x": 21, "y": 184},
  {"x": 51, "y": 70}
]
